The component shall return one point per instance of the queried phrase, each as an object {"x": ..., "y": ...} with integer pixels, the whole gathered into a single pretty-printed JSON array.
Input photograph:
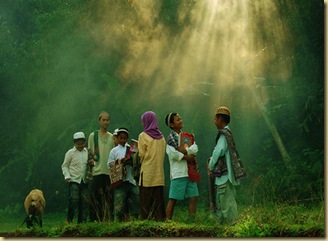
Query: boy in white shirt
[
  {"x": 126, "y": 201},
  {"x": 74, "y": 168},
  {"x": 181, "y": 187}
]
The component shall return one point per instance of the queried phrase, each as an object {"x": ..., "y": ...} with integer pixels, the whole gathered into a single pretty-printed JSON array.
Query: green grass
[{"x": 272, "y": 220}]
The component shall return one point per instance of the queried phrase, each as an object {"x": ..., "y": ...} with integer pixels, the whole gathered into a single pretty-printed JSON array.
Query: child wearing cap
[
  {"x": 181, "y": 187},
  {"x": 74, "y": 168},
  {"x": 126, "y": 201},
  {"x": 115, "y": 137},
  {"x": 225, "y": 172}
]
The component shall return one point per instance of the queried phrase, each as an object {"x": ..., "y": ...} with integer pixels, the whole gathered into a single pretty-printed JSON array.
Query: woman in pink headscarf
[{"x": 151, "y": 144}]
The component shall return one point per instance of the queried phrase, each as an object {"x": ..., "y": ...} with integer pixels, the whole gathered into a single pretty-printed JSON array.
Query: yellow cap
[{"x": 223, "y": 110}]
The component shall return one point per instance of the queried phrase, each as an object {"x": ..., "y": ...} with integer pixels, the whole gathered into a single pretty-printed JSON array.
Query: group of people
[{"x": 141, "y": 193}]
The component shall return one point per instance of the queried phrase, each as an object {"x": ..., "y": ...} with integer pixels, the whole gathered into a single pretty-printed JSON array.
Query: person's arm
[
  {"x": 91, "y": 143},
  {"x": 111, "y": 158},
  {"x": 174, "y": 154},
  {"x": 219, "y": 150},
  {"x": 65, "y": 166},
  {"x": 192, "y": 150},
  {"x": 142, "y": 147}
]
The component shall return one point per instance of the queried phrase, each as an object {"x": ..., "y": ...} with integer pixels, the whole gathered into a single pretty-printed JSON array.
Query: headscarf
[{"x": 150, "y": 122}]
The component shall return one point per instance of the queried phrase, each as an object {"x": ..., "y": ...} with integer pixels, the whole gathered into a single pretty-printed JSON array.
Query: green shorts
[{"x": 182, "y": 188}]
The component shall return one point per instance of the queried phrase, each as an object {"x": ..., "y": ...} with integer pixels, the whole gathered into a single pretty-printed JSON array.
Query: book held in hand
[{"x": 186, "y": 140}]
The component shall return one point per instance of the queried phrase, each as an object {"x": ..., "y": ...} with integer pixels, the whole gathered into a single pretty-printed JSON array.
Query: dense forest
[{"x": 62, "y": 62}]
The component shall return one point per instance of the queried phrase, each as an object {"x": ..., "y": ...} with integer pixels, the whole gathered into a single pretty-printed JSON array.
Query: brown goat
[{"x": 34, "y": 206}]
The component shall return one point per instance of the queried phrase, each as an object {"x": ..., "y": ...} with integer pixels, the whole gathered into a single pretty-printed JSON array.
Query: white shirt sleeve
[
  {"x": 173, "y": 154},
  {"x": 65, "y": 165},
  {"x": 192, "y": 150},
  {"x": 111, "y": 157}
]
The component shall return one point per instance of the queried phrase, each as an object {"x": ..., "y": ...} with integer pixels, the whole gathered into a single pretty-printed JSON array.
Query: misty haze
[{"x": 63, "y": 62}]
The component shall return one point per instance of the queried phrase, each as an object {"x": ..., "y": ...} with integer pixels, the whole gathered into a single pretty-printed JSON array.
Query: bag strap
[
  {"x": 127, "y": 153},
  {"x": 217, "y": 137},
  {"x": 237, "y": 164},
  {"x": 95, "y": 141}
]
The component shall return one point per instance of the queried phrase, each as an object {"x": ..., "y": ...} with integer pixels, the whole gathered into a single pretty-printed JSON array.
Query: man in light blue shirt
[{"x": 225, "y": 181}]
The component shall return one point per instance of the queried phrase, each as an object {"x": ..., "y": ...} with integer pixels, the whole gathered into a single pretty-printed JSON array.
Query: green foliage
[
  {"x": 249, "y": 228},
  {"x": 12, "y": 210},
  {"x": 271, "y": 220},
  {"x": 57, "y": 74}
]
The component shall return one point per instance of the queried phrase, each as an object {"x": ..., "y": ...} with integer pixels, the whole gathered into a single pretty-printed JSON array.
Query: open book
[{"x": 186, "y": 140}]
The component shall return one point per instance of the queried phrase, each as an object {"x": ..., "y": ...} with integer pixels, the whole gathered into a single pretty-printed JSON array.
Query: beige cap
[{"x": 223, "y": 110}]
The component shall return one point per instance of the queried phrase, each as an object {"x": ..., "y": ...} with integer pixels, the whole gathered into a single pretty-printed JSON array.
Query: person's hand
[
  {"x": 127, "y": 161},
  {"x": 92, "y": 162},
  {"x": 190, "y": 159},
  {"x": 209, "y": 172},
  {"x": 68, "y": 180},
  {"x": 182, "y": 150}
]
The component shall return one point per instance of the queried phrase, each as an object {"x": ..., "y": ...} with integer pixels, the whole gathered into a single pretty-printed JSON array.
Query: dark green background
[{"x": 62, "y": 62}]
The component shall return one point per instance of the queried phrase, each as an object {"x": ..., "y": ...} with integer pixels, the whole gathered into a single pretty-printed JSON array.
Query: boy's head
[
  {"x": 134, "y": 145},
  {"x": 174, "y": 121},
  {"x": 222, "y": 117},
  {"x": 103, "y": 120},
  {"x": 122, "y": 136},
  {"x": 79, "y": 140},
  {"x": 115, "y": 137}
]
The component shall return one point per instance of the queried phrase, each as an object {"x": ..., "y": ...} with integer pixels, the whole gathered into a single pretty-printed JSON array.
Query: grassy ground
[{"x": 272, "y": 220}]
